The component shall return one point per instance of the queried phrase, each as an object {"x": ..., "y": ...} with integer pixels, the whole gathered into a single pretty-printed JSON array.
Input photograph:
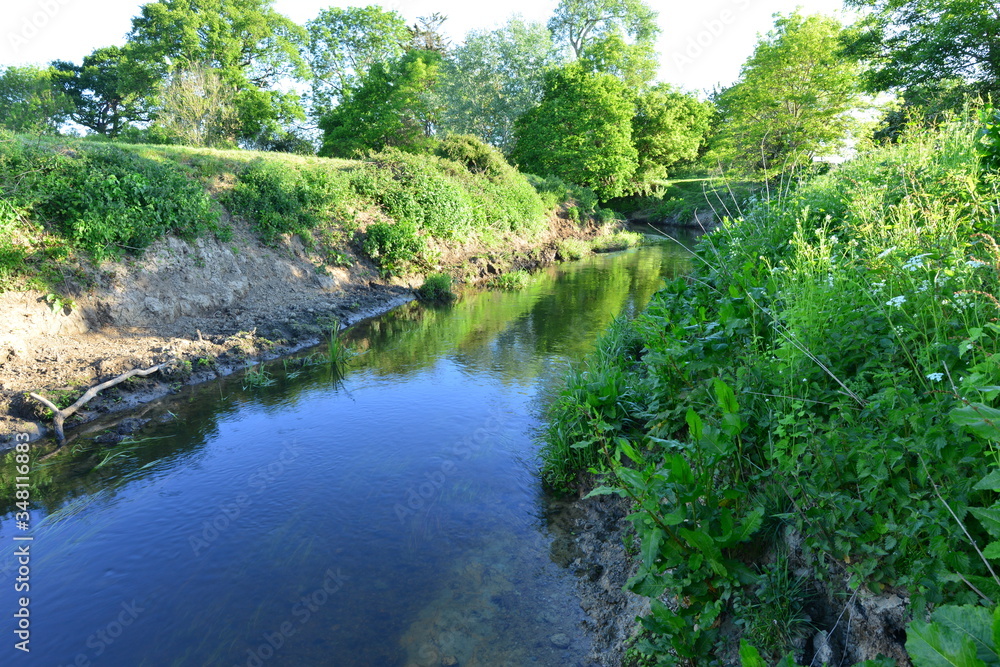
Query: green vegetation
[
  {"x": 825, "y": 370},
  {"x": 436, "y": 289},
  {"x": 513, "y": 281},
  {"x": 617, "y": 240},
  {"x": 572, "y": 249}
]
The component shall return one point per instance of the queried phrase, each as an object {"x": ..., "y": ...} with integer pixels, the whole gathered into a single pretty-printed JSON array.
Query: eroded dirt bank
[{"x": 207, "y": 308}]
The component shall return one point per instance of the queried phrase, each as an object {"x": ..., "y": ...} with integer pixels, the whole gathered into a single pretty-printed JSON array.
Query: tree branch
[{"x": 60, "y": 416}]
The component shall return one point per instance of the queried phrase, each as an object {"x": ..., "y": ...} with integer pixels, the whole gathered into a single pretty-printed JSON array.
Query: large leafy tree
[
  {"x": 668, "y": 127},
  {"x": 581, "y": 131},
  {"x": 343, "y": 44},
  {"x": 109, "y": 91},
  {"x": 610, "y": 36},
  {"x": 395, "y": 105},
  {"x": 494, "y": 78},
  {"x": 30, "y": 103},
  {"x": 252, "y": 48},
  {"x": 196, "y": 108},
  {"x": 918, "y": 42},
  {"x": 794, "y": 99}
]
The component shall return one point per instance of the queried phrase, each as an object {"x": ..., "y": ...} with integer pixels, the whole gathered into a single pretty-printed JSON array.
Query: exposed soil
[{"x": 208, "y": 307}]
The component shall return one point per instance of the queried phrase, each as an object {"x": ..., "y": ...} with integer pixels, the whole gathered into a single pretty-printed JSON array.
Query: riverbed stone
[{"x": 560, "y": 640}]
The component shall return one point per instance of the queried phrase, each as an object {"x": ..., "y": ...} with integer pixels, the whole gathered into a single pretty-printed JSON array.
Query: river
[{"x": 389, "y": 515}]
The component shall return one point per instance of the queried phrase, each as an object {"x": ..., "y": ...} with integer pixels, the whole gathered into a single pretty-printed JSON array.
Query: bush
[
  {"x": 511, "y": 282},
  {"x": 102, "y": 199},
  {"x": 617, "y": 240},
  {"x": 436, "y": 289},
  {"x": 393, "y": 246},
  {"x": 572, "y": 249}
]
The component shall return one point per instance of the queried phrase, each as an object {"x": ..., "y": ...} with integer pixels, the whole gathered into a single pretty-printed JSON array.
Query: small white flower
[
  {"x": 915, "y": 262},
  {"x": 879, "y": 285},
  {"x": 896, "y": 301},
  {"x": 885, "y": 253},
  {"x": 975, "y": 263},
  {"x": 935, "y": 377}
]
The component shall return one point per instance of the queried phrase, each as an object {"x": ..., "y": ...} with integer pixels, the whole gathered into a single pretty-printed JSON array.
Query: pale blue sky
[{"x": 702, "y": 43}]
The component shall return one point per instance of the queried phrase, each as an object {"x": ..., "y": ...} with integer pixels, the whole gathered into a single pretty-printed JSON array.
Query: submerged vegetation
[{"x": 825, "y": 375}]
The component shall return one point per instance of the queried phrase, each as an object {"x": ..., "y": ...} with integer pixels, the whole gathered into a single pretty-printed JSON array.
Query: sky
[{"x": 702, "y": 43}]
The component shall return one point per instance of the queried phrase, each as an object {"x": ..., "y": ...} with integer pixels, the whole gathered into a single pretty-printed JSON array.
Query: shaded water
[{"x": 388, "y": 517}]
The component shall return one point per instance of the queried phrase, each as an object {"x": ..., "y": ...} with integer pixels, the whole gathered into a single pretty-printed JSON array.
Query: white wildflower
[
  {"x": 915, "y": 262},
  {"x": 975, "y": 263},
  {"x": 935, "y": 377},
  {"x": 896, "y": 301},
  {"x": 885, "y": 253}
]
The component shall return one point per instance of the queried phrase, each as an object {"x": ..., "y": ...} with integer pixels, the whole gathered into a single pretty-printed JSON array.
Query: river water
[{"x": 387, "y": 516}]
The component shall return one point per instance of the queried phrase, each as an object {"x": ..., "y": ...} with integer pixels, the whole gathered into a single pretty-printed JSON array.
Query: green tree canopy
[
  {"x": 109, "y": 91},
  {"x": 30, "y": 103},
  {"x": 911, "y": 42},
  {"x": 610, "y": 36},
  {"x": 668, "y": 127},
  {"x": 396, "y": 105},
  {"x": 794, "y": 98},
  {"x": 494, "y": 78},
  {"x": 344, "y": 44},
  {"x": 250, "y": 46},
  {"x": 581, "y": 132}
]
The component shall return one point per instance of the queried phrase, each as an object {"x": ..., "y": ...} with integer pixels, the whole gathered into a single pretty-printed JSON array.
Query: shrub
[
  {"x": 393, "y": 246},
  {"x": 511, "y": 282},
  {"x": 572, "y": 249},
  {"x": 436, "y": 289},
  {"x": 617, "y": 240}
]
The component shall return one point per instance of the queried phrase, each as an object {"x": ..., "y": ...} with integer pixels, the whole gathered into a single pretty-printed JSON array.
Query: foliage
[
  {"x": 793, "y": 101},
  {"x": 344, "y": 44},
  {"x": 512, "y": 281},
  {"x": 108, "y": 90},
  {"x": 989, "y": 138},
  {"x": 393, "y": 246},
  {"x": 30, "y": 103},
  {"x": 249, "y": 45},
  {"x": 436, "y": 289},
  {"x": 495, "y": 77},
  {"x": 916, "y": 42},
  {"x": 956, "y": 635},
  {"x": 395, "y": 106},
  {"x": 104, "y": 200},
  {"x": 572, "y": 249},
  {"x": 580, "y": 132},
  {"x": 668, "y": 127},
  {"x": 197, "y": 108},
  {"x": 617, "y": 240},
  {"x": 808, "y": 375}
]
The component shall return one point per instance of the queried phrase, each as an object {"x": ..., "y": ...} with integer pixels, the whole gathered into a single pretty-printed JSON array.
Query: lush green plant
[
  {"x": 436, "y": 289},
  {"x": 257, "y": 377},
  {"x": 572, "y": 249},
  {"x": 617, "y": 240},
  {"x": 338, "y": 352},
  {"x": 393, "y": 246},
  {"x": 808, "y": 375},
  {"x": 511, "y": 281},
  {"x": 989, "y": 138}
]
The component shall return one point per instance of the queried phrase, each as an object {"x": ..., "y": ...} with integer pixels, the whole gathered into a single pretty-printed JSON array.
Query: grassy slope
[
  {"x": 828, "y": 371},
  {"x": 67, "y": 205}
]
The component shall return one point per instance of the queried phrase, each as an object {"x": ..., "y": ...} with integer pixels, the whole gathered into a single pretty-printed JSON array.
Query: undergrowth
[{"x": 804, "y": 380}]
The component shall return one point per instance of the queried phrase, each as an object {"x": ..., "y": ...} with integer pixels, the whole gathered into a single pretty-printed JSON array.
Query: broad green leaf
[
  {"x": 972, "y": 623},
  {"x": 604, "y": 491},
  {"x": 629, "y": 451},
  {"x": 981, "y": 419},
  {"x": 632, "y": 478},
  {"x": 695, "y": 425},
  {"x": 992, "y": 550},
  {"x": 991, "y": 482},
  {"x": 932, "y": 645},
  {"x": 989, "y": 517},
  {"x": 651, "y": 541},
  {"x": 750, "y": 656}
]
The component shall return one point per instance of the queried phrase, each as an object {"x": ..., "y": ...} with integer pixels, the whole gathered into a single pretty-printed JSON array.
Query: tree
[
  {"x": 344, "y": 44},
  {"x": 579, "y": 23},
  {"x": 395, "y": 105},
  {"x": 581, "y": 132},
  {"x": 197, "y": 108},
  {"x": 634, "y": 64},
  {"x": 494, "y": 78},
  {"x": 668, "y": 127},
  {"x": 30, "y": 103},
  {"x": 911, "y": 42},
  {"x": 109, "y": 91},
  {"x": 794, "y": 98},
  {"x": 252, "y": 48},
  {"x": 426, "y": 35}
]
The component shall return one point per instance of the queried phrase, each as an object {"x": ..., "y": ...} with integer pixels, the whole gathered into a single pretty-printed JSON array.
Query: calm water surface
[{"x": 388, "y": 517}]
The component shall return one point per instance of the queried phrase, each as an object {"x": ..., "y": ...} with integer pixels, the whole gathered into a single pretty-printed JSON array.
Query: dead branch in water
[{"x": 60, "y": 416}]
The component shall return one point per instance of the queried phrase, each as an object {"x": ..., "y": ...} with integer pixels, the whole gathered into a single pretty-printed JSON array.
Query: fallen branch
[{"x": 60, "y": 416}]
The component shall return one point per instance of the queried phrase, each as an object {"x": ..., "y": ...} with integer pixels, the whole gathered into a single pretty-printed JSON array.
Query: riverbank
[
  {"x": 209, "y": 261},
  {"x": 796, "y": 422}
]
